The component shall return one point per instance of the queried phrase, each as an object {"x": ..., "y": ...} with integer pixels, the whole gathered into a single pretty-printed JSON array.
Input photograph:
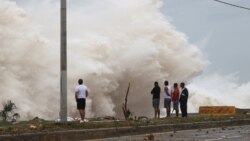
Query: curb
[{"x": 86, "y": 134}]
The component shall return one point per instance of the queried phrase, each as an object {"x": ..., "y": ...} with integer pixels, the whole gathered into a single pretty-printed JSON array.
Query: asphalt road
[{"x": 238, "y": 133}]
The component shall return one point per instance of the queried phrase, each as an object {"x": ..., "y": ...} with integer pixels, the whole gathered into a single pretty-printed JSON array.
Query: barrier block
[{"x": 217, "y": 110}]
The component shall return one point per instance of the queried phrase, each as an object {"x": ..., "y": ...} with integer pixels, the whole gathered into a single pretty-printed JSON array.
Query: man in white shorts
[{"x": 81, "y": 93}]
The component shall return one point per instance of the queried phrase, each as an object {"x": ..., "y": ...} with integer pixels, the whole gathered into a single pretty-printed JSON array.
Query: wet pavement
[{"x": 238, "y": 133}]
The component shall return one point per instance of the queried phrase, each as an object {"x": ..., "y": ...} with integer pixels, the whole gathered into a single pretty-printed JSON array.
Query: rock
[
  {"x": 41, "y": 126},
  {"x": 33, "y": 127},
  {"x": 36, "y": 118},
  {"x": 109, "y": 118},
  {"x": 1, "y": 129},
  {"x": 143, "y": 118}
]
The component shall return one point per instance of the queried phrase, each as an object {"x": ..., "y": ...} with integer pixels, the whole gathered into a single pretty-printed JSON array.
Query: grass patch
[
  {"x": 5, "y": 123},
  {"x": 39, "y": 125}
]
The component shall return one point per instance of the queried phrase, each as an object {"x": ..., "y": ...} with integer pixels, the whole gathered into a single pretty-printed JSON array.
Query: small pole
[{"x": 63, "y": 72}]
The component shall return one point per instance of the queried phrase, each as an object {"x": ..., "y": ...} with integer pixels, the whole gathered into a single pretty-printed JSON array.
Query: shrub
[{"x": 8, "y": 114}]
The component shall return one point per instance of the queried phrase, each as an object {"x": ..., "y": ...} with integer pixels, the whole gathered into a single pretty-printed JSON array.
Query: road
[{"x": 238, "y": 133}]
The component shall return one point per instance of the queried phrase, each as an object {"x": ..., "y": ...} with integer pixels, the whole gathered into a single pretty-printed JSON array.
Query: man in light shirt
[
  {"x": 167, "y": 98},
  {"x": 81, "y": 93}
]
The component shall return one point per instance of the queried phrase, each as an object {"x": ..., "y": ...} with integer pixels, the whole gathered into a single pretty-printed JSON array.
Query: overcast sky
[{"x": 221, "y": 31}]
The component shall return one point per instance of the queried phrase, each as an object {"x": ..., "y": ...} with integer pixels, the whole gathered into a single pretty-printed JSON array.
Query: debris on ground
[
  {"x": 69, "y": 119},
  {"x": 143, "y": 118},
  {"x": 109, "y": 118},
  {"x": 125, "y": 109},
  {"x": 37, "y": 119},
  {"x": 151, "y": 137},
  {"x": 32, "y": 127}
]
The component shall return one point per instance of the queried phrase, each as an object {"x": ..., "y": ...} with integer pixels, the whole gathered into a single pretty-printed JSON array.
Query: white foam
[{"x": 110, "y": 43}]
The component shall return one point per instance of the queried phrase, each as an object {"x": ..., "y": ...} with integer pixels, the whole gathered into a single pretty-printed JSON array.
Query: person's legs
[
  {"x": 182, "y": 109},
  {"x": 81, "y": 106},
  {"x": 80, "y": 112},
  {"x": 168, "y": 107},
  {"x": 165, "y": 106},
  {"x": 158, "y": 112},
  {"x": 185, "y": 109},
  {"x": 158, "y": 109},
  {"x": 155, "y": 112},
  {"x": 168, "y": 112},
  {"x": 176, "y": 107},
  {"x": 155, "y": 107},
  {"x": 83, "y": 110},
  {"x": 167, "y": 103},
  {"x": 83, "y": 114}
]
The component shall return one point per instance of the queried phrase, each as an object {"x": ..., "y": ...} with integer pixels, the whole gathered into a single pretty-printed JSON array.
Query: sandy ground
[{"x": 238, "y": 133}]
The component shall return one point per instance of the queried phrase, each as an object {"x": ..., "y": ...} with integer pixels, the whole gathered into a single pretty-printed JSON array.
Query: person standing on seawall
[
  {"x": 81, "y": 93},
  {"x": 175, "y": 96},
  {"x": 156, "y": 99},
  {"x": 183, "y": 99},
  {"x": 167, "y": 98}
]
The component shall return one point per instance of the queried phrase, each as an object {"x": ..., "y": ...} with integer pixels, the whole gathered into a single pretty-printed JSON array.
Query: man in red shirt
[{"x": 175, "y": 96}]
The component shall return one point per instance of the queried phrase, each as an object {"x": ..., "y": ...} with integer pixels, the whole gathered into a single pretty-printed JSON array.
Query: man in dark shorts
[
  {"x": 156, "y": 99},
  {"x": 81, "y": 93},
  {"x": 183, "y": 100}
]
